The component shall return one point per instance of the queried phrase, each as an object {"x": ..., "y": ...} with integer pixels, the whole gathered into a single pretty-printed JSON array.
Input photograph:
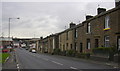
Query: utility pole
[{"x": 9, "y": 28}]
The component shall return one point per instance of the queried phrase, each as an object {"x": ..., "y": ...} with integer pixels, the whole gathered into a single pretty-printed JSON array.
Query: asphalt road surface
[{"x": 28, "y": 60}]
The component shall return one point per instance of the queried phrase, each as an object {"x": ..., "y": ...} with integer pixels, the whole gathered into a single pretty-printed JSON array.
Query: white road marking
[
  {"x": 107, "y": 63},
  {"x": 115, "y": 67},
  {"x": 57, "y": 63},
  {"x": 73, "y": 68},
  {"x": 18, "y": 66}
]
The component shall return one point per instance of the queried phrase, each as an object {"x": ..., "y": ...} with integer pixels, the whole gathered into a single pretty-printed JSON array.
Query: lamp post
[{"x": 9, "y": 27}]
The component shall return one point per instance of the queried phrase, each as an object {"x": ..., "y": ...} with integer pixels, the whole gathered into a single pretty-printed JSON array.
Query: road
[{"x": 28, "y": 60}]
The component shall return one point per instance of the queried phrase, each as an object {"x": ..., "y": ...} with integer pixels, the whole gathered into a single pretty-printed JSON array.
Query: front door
[
  {"x": 118, "y": 43},
  {"x": 81, "y": 46},
  {"x": 96, "y": 43}
]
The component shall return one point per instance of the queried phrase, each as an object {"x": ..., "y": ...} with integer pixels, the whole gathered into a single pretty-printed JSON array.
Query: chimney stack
[
  {"x": 117, "y": 3},
  {"x": 41, "y": 38},
  {"x": 101, "y": 10},
  {"x": 72, "y": 24},
  {"x": 88, "y": 17}
]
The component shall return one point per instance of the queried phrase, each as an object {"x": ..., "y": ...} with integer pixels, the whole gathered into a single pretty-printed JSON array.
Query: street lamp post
[{"x": 9, "y": 27}]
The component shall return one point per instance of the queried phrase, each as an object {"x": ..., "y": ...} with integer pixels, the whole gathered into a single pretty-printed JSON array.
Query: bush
[
  {"x": 104, "y": 50},
  {"x": 63, "y": 53},
  {"x": 56, "y": 51},
  {"x": 83, "y": 55},
  {"x": 70, "y": 53},
  {"x": 4, "y": 56}
]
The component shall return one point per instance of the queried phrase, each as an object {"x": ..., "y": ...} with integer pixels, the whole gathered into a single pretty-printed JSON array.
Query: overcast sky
[{"x": 39, "y": 18}]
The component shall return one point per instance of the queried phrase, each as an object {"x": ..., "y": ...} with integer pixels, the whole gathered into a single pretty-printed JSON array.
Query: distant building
[{"x": 5, "y": 41}]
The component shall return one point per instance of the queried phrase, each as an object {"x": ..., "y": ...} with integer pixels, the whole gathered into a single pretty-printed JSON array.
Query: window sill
[
  {"x": 89, "y": 33},
  {"x": 106, "y": 29}
]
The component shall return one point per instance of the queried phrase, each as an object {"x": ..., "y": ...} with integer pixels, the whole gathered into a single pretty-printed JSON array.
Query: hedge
[
  {"x": 70, "y": 52},
  {"x": 56, "y": 51},
  {"x": 83, "y": 55},
  {"x": 104, "y": 50}
]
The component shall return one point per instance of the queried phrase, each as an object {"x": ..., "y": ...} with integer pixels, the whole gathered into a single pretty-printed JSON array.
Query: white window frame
[
  {"x": 88, "y": 28},
  {"x": 76, "y": 34},
  {"x": 75, "y": 46},
  {"x": 119, "y": 44},
  {"x": 88, "y": 44},
  {"x": 107, "y": 23},
  {"x": 107, "y": 41}
]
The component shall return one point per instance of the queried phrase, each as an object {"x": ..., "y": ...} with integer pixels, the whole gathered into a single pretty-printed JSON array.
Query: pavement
[{"x": 23, "y": 59}]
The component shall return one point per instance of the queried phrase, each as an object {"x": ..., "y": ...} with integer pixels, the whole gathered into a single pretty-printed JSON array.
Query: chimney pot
[
  {"x": 101, "y": 10},
  {"x": 117, "y": 3},
  {"x": 41, "y": 37},
  {"x": 72, "y": 24},
  {"x": 88, "y": 17}
]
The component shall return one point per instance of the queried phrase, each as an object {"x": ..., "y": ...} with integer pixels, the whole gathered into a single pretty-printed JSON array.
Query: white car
[{"x": 33, "y": 51}]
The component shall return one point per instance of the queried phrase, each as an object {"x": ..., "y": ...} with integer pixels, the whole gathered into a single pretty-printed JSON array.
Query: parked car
[
  {"x": 9, "y": 47},
  {"x": 33, "y": 51},
  {"x": 1, "y": 47},
  {"x": 26, "y": 48},
  {"x": 5, "y": 50},
  {"x": 15, "y": 46}
]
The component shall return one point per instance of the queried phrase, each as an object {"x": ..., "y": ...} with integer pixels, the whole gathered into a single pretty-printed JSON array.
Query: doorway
[
  {"x": 118, "y": 43},
  {"x": 81, "y": 47},
  {"x": 96, "y": 43}
]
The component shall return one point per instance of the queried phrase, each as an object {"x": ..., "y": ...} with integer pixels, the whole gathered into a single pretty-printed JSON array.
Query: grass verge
[{"x": 3, "y": 57}]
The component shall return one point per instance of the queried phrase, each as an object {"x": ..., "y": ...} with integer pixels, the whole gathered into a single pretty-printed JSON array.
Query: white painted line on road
[
  {"x": 18, "y": 66},
  {"x": 18, "y": 69},
  {"x": 107, "y": 63},
  {"x": 115, "y": 67},
  {"x": 73, "y": 68},
  {"x": 57, "y": 63}
]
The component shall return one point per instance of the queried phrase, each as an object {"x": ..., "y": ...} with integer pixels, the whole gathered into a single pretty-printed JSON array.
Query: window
[
  {"x": 75, "y": 46},
  {"x": 96, "y": 43},
  {"x": 71, "y": 46},
  {"x": 76, "y": 33},
  {"x": 81, "y": 47},
  {"x": 119, "y": 43},
  {"x": 88, "y": 28},
  {"x": 107, "y": 40},
  {"x": 88, "y": 44},
  {"x": 107, "y": 25}
]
